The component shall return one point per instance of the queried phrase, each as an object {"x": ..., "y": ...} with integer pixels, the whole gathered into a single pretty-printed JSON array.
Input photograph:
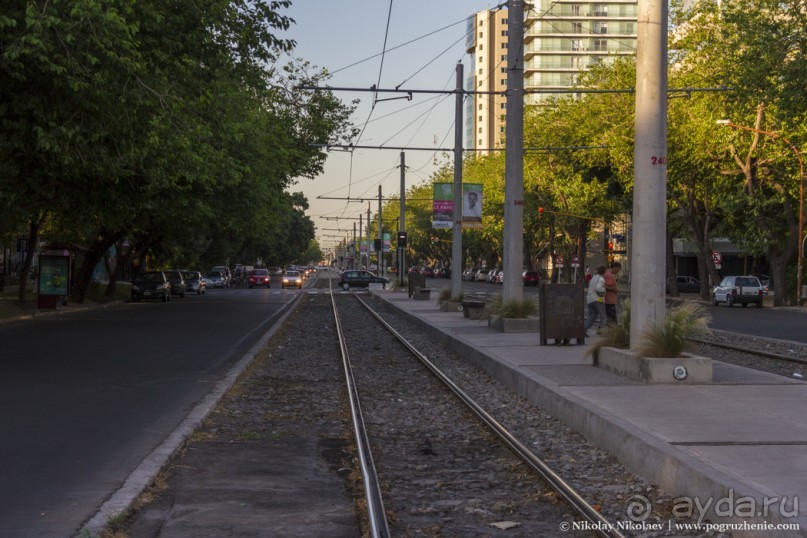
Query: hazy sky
[{"x": 335, "y": 34}]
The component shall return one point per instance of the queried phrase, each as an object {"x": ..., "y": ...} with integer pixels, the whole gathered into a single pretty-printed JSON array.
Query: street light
[{"x": 728, "y": 123}]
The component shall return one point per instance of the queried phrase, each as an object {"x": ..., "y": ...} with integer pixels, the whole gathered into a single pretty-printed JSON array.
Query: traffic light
[
  {"x": 610, "y": 245},
  {"x": 540, "y": 212}
]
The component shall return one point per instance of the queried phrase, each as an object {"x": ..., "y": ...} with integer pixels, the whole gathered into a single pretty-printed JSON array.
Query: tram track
[
  {"x": 433, "y": 446},
  {"x": 778, "y": 357}
]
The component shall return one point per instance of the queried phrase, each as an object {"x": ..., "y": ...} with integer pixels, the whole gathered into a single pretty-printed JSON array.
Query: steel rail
[
  {"x": 379, "y": 528},
  {"x": 766, "y": 354},
  {"x": 602, "y": 526}
]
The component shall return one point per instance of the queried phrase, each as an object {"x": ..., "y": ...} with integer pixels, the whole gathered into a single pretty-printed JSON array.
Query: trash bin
[{"x": 562, "y": 313}]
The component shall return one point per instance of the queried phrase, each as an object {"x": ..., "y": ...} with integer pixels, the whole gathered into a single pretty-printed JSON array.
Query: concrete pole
[
  {"x": 456, "y": 235},
  {"x": 402, "y": 221},
  {"x": 380, "y": 253},
  {"x": 513, "y": 251},
  {"x": 361, "y": 231},
  {"x": 648, "y": 261},
  {"x": 353, "y": 262}
]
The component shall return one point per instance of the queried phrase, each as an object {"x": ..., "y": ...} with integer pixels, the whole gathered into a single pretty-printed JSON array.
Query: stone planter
[
  {"x": 514, "y": 325},
  {"x": 451, "y": 306},
  {"x": 688, "y": 369}
]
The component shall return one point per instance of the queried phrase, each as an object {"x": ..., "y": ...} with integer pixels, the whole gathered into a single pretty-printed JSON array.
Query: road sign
[
  {"x": 575, "y": 260},
  {"x": 717, "y": 257},
  {"x": 559, "y": 261}
]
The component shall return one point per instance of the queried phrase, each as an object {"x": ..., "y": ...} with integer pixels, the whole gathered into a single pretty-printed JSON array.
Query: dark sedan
[
  {"x": 686, "y": 284},
  {"x": 360, "y": 279},
  {"x": 151, "y": 285}
]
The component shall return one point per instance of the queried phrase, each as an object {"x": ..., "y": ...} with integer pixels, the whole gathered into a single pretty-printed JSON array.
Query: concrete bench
[
  {"x": 421, "y": 294},
  {"x": 473, "y": 308}
]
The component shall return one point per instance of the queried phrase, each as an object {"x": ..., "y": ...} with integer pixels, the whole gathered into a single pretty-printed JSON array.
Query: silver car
[{"x": 744, "y": 289}]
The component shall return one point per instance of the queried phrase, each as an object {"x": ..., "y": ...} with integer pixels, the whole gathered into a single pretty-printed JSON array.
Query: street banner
[
  {"x": 443, "y": 205},
  {"x": 471, "y": 205}
]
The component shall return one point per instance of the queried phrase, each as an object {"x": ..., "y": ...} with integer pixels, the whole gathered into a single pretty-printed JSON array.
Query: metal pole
[
  {"x": 368, "y": 237},
  {"x": 513, "y": 251},
  {"x": 402, "y": 222},
  {"x": 650, "y": 170},
  {"x": 456, "y": 233}
]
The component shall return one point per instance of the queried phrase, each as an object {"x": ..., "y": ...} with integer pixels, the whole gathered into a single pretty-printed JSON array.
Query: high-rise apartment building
[
  {"x": 487, "y": 49},
  {"x": 562, "y": 39}
]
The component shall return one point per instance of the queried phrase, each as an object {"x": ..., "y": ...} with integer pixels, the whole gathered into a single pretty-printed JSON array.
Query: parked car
[
  {"x": 531, "y": 278},
  {"x": 481, "y": 275},
  {"x": 292, "y": 279},
  {"x": 765, "y": 280},
  {"x": 177, "y": 282},
  {"x": 499, "y": 277},
  {"x": 259, "y": 277},
  {"x": 744, "y": 289},
  {"x": 226, "y": 273},
  {"x": 686, "y": 284},
  {"x": 194, "y": 282},
  {"x": 151, "y": 285},
  {"x": 360, "y": 279},
  {"x": 217, "y": 279},
  {"x": 427, "y": 271},
  {"x": 469, "y": 274}
]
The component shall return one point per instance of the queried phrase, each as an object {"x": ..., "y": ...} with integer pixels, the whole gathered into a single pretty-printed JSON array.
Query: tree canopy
[{"x": 171, "y": 128}]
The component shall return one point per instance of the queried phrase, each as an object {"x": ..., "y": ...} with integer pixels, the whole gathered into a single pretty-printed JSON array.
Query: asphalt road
[{"x": 85, "y": 396}]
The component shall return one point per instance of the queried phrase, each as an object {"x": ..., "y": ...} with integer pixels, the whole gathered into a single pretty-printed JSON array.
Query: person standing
[
  {"x": 611, "y": 291},
  {"x": 595, "y": 300}
]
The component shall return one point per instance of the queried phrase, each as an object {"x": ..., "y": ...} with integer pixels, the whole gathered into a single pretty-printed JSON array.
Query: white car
[{"x": 745, "y": 289}]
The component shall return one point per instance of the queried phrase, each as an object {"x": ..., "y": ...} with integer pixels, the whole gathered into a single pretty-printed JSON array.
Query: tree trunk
[
  {"x": 33, "y": 239},
  {"x": 671, "y": 272},
  {"x": 103, "y": 241}
]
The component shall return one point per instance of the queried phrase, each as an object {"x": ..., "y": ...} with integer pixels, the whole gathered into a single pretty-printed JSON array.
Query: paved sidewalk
[{"x": 732, "y": 446}]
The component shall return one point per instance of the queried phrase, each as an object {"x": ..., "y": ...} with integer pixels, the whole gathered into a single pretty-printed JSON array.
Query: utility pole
[
  {"x": 648, "y": 260},
  {"x": 513, "y": 251},
  {"x": 353, "y": 262},
  {"x": 402, "y": 222},
  {"x": 368, "y": 237},
  {"x": 361, "y": 234},
  {"x": 380, "y": 251},
  {"x": 456, "y": 233}
]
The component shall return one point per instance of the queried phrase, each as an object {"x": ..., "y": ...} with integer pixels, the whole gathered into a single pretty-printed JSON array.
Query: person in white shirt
[{"x": 595, "y": 300}]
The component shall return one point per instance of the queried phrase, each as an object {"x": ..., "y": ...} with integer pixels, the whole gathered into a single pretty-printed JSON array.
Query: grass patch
[
  {"x": 512, "y": 308},
  {"x": 671, "y": 338},
  {"x": 445, "y": 296}
]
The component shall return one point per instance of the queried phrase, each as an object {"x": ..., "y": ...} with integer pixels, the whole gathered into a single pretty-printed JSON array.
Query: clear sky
[{"x": 336, "y": 34}]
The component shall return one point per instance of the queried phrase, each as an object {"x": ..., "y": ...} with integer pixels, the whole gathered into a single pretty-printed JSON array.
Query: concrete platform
[{"x": 735, "y": 445}]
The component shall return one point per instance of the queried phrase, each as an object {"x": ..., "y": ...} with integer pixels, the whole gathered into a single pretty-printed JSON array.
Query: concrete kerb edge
[
  {"x": 676, "y": 472},
  {"x": 145, "y": 473}
]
